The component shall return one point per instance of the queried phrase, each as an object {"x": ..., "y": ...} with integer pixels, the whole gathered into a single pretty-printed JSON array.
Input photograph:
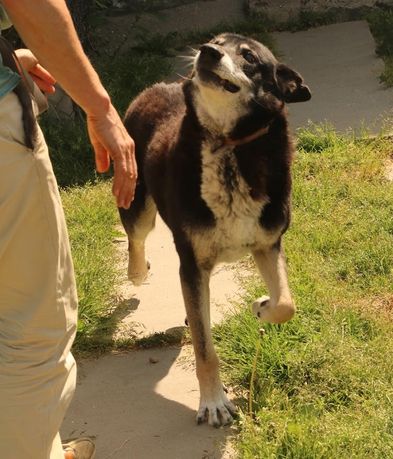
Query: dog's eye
[{"x": 249, "y": 57}]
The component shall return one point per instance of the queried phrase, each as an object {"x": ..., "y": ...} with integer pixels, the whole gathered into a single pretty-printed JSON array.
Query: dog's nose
[{"x": 210, "y": 53}]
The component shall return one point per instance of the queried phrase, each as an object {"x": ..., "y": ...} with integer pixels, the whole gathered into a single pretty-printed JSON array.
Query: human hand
[
  {"x": 110, "y": 140},
  {"x": 41, "y": 77}
]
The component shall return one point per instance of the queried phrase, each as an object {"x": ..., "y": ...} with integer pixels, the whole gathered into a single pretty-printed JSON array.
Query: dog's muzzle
[{"x": 209, "y": 57}]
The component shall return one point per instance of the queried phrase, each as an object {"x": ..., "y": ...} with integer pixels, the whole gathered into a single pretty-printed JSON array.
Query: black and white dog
[{"x": 214, "y": 157}]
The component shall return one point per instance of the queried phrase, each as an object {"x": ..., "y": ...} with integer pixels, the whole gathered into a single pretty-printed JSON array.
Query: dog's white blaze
[
  {"x": 237, "y": 215},
  {"x": 227, "y": 64}
]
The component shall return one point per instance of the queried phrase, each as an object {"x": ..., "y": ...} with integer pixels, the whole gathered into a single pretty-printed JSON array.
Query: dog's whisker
[
  {"x": 183, "y": 77},
  {"x": 189, "y": 64},
  {"x": 195, "y": 51},
  {"x": 187, "y": 58}
]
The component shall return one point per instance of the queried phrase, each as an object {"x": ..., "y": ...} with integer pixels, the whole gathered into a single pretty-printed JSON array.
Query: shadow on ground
[{"x": 141, "y": 405}]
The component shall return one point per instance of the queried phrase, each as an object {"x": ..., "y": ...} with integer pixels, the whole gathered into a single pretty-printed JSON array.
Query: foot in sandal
[{"x": 81, "y": 448}]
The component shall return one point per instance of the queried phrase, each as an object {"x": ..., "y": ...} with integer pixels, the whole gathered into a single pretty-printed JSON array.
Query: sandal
[{"x": 82, "y": 448}]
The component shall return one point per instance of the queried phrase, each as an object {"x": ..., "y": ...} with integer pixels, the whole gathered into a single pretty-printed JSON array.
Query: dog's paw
[
  {"x": 217, "y": 411},
  {"x": 265, "y": 311},
  {"x": 137, "y": 274}
]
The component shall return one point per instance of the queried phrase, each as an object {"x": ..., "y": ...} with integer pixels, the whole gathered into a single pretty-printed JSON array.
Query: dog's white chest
[
  {"x": 237, "y": 214},
  {"x": 223, "y": 188}
]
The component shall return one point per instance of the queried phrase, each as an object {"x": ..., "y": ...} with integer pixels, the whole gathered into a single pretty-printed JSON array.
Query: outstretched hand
[{"x": 110, "y": 140}]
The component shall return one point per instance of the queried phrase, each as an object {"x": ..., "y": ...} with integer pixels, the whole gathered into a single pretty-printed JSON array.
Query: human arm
[{"x": 47, "y": 29}]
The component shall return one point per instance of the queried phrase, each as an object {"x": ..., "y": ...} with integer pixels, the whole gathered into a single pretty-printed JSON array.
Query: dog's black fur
[{"x": 180, "y": 139}]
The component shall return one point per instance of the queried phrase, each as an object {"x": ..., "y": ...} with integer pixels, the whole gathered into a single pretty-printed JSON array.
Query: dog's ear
[{"x": 291, "y": 85}]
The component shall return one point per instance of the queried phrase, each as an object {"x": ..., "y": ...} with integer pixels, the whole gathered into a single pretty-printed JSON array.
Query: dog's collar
[
  {"x": 229, "y": 142},
  {"x": 248, "y": 138}
]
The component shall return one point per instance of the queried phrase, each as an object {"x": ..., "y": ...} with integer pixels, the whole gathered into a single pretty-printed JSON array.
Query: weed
[
  {"x": 308, "y": 19},
  {"x": 387, "y": 74},
  {"x": 381, "y": 26}
]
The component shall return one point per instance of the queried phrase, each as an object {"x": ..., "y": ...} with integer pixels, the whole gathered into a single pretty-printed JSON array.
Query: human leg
[{"x": 38, "y": 304}]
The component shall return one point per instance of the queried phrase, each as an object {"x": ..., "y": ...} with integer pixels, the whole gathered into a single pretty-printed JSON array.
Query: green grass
[
  {"x": 308, "y": 19},
  {"x": 91, "y": 218},
  {"x": 322, "y": 385},
  {"x": 258, "y": 28}
]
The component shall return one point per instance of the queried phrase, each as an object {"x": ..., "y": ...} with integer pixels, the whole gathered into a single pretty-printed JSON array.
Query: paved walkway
[
  {"x": 157, "y": 305},
  {"x": 339, "y": 64},
  {"x": 141, "y": 405},
  {"x": 137, "y": 409}
]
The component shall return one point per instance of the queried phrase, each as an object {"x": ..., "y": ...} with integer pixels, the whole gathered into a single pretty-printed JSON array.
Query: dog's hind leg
[
  {"x": 138, "y": 221},
  {"x": 214, "y": 404},
  {"x": 279, "y": 307}
]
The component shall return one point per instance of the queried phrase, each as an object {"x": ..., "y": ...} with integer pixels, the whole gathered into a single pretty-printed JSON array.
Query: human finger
[
  {"x": 109, "y": 132},
  {"x": 43, "y": 85},
  {"x": 43, "y": 74},
  {"x": 102, "y": 159},
  {"x": 43, "y": 79},
  {"x": 125, "y": 176}
]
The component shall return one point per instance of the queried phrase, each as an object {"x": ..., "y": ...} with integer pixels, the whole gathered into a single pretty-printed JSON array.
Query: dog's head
[{"x": 235, "y": 75}]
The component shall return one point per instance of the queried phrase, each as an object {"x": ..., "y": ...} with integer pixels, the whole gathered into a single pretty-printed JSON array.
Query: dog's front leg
[
  {"x": 279, "y": 307},
  {"x": 214, "y": 405}
]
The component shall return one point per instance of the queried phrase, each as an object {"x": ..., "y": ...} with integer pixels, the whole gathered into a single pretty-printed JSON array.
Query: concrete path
[
  {"x": 339, "y": 64},
  {"x": 157, "y": 305},
  {"x": 137, "y": 409},
  {"x": 141, "y": 405}
]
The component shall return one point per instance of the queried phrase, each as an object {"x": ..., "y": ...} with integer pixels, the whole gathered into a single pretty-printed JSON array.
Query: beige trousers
[{"x": 38, "y": 304}]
